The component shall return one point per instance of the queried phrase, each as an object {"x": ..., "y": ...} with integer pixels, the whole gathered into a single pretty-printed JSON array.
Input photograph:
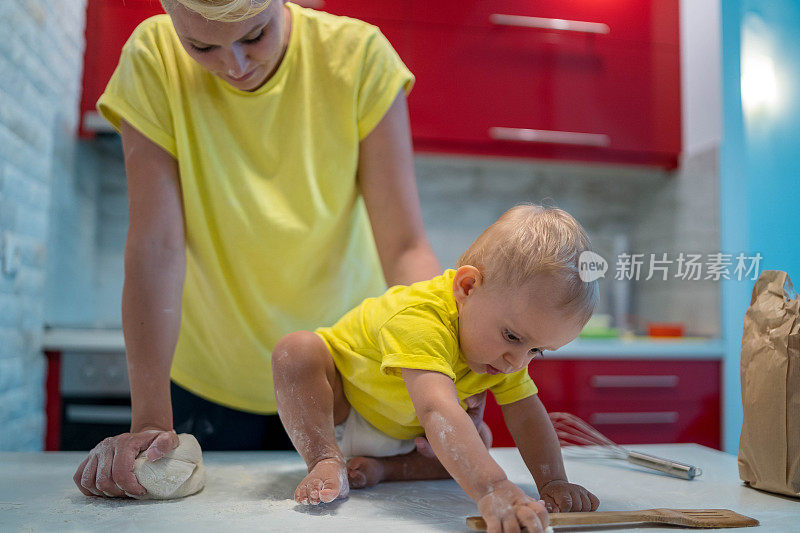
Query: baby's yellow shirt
[{"x": 413, "y": 327}]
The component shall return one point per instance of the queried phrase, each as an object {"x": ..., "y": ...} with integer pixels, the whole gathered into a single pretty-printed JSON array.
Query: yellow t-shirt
[
  {"x": 415, "y": 327},
  {"x": 277, "y": 235}
]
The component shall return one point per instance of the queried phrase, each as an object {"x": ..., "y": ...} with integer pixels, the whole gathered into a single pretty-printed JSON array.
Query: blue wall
[{"x": 759, "y": 169}]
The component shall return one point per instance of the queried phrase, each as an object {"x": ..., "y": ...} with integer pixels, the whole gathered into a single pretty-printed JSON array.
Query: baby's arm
[
  {"x": 536, "y": 439},
  {"x": 453, "y": 436}
]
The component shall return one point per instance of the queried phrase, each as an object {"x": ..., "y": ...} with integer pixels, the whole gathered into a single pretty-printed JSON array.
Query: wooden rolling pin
[{"x": 694, "y": 518}]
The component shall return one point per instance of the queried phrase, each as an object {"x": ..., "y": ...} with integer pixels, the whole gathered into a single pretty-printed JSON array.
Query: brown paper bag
[{"x": 769, "y": 448}]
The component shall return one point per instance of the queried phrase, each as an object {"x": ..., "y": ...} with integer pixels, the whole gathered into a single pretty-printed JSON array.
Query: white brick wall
[{"x": 41, "y": 56}]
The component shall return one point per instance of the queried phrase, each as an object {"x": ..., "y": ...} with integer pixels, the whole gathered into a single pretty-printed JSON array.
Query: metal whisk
[{"x": 579, "y": 439}]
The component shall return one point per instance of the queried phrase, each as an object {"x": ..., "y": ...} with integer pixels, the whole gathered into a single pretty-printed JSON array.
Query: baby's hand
[
  {"x": 563, "y": 497},
  {"x": 507, "y": 509}
]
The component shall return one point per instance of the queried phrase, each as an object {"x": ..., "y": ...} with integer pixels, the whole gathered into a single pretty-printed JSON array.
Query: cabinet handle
[
  {"x": 658, "y": 417},
  {"x": 549, "y": 136},
  {"x": 634, "y": 382},
  {"x": 549, "y": 24},
  {"x": 98, "y": 414}
]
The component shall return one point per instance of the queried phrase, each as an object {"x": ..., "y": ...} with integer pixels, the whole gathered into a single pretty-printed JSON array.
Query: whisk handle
[{"x": 673, "y": 468}]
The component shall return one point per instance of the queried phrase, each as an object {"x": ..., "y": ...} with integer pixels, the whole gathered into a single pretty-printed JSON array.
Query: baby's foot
[
  {"x": 326, "y": 482},
  {"x": 364, "y": 472}
]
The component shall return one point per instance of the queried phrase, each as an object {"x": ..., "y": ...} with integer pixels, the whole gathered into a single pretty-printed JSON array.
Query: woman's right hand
[
  {"x": 108, "y": 470},
  {"x": 507, "y": 509}
]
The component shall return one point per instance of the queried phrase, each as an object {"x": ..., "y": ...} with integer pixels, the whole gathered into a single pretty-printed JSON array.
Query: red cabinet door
[
  {"x": 640, "y": 381},
  {"x": 577, "y": 94},
  {"x": 109, "y": 23},
  {"x": 645, "y": 21},
  {"x": 644, "y": 402},
  {"x": 367, "y": 10},
  {"x": 653, "y": 422},
  {"x": 501, "y": 86},
  {"x": 631, "y": 402}
]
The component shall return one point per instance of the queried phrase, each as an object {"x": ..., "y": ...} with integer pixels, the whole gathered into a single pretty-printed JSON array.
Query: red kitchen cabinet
[
  {"x": 109, "y": 23},
  {"x": 644, "y": 21},
  {"x": 571, "y": 80},
  {"x": 631, "y": 402},
  {"x": 373, "y": 11},
  {"x": 585, "y": 97},
  {"x": 575, "y": 80}
]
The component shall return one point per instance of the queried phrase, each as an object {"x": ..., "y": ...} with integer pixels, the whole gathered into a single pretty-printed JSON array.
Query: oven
[{"x": 88, "y": 395}]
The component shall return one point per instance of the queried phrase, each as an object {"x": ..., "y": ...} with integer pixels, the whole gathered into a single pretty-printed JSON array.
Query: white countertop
[
  {"x": 641, "y": 348},
  {"x": 85, "y": 340},
  {"x": 249, "y": 491},
  {"x": 111, "y": 340}
]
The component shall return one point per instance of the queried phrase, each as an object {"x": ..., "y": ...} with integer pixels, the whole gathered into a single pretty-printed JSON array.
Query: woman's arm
[
  {"x": 155, "y": 268},
  {"x": 386, "y": 178}
]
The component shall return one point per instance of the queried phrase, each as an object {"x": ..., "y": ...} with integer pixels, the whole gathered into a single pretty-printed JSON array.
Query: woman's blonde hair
[
  {"x": 221, "y": 10},
  {"x": 530, "y": 240}
]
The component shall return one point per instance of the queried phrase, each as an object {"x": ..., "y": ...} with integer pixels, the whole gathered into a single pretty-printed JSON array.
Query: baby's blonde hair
[
  {"x": 530, "y": 240},
  {"x": 221, "y": 10}
]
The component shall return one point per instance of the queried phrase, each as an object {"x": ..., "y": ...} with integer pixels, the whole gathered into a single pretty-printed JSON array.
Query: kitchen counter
[
  {"x": 84, "y": 340},
  {"x": 249, "y": 491},
  {"x": 641, "y": 348},
  {"x": 111, "y": 341}
]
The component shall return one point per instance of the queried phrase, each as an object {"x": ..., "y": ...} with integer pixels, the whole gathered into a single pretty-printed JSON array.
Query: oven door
[{"x": 95, "y": 398}]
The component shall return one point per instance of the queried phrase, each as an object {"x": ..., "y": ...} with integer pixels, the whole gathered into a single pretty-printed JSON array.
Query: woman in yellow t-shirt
[{"x": 271, "y": 189}]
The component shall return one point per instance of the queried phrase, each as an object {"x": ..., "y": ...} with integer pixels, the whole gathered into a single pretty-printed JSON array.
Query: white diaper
[{"x": 357, "y": 437}]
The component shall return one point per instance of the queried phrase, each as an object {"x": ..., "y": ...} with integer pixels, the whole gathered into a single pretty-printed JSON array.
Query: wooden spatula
[{"x": 695, "y": 518}]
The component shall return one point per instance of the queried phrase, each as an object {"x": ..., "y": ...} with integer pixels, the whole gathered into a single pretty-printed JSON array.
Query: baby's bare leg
[
  {"x": 308, "y": 391},
  {"x": 367, "y": 471}
]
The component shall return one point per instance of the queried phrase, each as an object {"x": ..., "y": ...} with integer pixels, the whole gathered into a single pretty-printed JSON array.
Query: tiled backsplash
[{"x": 657, "y": 211}]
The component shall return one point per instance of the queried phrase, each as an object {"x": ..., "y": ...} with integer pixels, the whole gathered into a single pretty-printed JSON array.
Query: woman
[{"x": 271, "y": 189}]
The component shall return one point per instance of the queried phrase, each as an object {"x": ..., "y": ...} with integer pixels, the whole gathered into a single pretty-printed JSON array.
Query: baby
[{"x": 404, "y": 364}]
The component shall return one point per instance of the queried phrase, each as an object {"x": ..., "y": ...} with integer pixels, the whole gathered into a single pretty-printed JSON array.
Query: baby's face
[{"x": 502, "y": 328}]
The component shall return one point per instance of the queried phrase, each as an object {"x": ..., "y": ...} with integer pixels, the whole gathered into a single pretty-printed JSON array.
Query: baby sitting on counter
[{"x": 400, "y": 366}]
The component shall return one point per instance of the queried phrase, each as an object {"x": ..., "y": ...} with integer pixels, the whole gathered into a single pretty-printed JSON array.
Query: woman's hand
[
  {"x": 564, "y": 497},
  {"x": 108, "y": 470},
  {"x": 507, "y": 509}
]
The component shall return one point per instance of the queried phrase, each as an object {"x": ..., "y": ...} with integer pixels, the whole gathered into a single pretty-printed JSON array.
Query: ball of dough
[{"x": 179, "y": 473}]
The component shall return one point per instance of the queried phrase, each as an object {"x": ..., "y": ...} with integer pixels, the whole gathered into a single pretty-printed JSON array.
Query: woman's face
[{"x": 245, "y": 53}]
